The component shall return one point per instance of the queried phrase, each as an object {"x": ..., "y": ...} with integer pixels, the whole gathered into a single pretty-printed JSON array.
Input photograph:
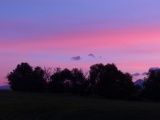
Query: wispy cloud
[
  {"x": 136, "y": 74},
  {"x": 144, "y": 73},
  {"x": 91, "y": 55},
  {"x": 76, "y": 58}
]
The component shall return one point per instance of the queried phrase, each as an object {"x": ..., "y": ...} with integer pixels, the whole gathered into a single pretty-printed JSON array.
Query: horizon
[{"x": 78, "y": 34}]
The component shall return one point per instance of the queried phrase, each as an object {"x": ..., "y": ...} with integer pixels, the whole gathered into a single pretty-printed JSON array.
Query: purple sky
[{"x": 53, "y": 33}]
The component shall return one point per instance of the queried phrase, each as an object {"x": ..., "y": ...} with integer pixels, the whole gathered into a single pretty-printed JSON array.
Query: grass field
[{"x": 34, "y": 106}]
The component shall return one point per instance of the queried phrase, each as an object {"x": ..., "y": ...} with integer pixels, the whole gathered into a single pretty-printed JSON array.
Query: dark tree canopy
[
  {"x": 56, "y": 85},
  {"x": 94, "y": 73},
  {"x": 68, "y": 81},
  {"x": 38, "y": 81},
  {"x": 111, "y": 82},
  {"x": 19, "y": 79},
  {"x": 152, "y": 85},
  {"x": 103, "y": 80},
  {"x": 24, "y": 78},
  {"x": 78, "y": 80}
]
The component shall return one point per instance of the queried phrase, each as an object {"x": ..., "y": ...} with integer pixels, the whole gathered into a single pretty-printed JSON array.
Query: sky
[{"x": 79, "y": 33}]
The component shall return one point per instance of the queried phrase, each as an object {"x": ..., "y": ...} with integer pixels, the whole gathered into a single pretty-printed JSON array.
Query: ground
[{"x": 45, "y": 106}]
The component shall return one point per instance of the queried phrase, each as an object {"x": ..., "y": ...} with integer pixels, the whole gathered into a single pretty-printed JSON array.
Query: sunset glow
[{"x": 49, "y": 33}]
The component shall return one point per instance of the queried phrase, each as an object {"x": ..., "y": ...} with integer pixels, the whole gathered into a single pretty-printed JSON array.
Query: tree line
[{"x": 102, "y": 80}]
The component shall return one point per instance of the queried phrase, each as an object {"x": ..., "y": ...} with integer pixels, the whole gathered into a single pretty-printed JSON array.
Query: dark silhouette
[
  {"x": 152, "y": 85},
  {"x": 23, "y": 78},
  {"x": 94, "y": 73},
  {"x": 67, "y": 79},
  {"x": 78, "y": 81},
  {"x": 103, "y": 80},
  {"x": 20, "y": 78},
  {"x": 38, "y": 82},
  {"x": 72, "y": 81},
  {"x": 110, "y": 82},
  {"x": 56, "y": 85}
]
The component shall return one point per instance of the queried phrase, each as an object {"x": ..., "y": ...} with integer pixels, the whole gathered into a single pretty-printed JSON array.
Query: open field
[{"x": 35, "y": 106}]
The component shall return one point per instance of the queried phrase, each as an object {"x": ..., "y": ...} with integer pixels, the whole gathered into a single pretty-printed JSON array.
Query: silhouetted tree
[
  {"x": 20, "y": 78},
  {"x": 38, "y": 83},
  {"x": 23, "y": 78},
  {"x": 61, "y": 81},
  {"x": 94, "y": 73},
  {"x": 104, "y": 80},
  {"x": 56, "y": 85},
  {"x": 152, "y": 85},
  {"x": 111, "y": 82},
  {"x": 72, "y": 81},
  {"x": 67, "y": 76},
  {"x": 77, "y": 81}
]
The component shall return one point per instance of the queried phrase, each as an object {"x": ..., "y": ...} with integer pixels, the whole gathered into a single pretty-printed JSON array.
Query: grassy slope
[{"x": 32, "y": 106}]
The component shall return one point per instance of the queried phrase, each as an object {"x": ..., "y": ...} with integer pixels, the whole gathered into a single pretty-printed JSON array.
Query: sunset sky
[{"x": 79, "y": 33}]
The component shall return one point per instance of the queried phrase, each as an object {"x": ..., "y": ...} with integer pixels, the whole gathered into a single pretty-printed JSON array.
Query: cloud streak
[
  {"x": 76, "y": 58},
  {"x": 145, "y": 73},
  {"x": 136, "y": 74},
  {"x": 91, "y": 55}
]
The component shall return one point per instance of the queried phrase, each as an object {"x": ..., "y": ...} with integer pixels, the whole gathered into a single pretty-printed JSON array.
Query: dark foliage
[
  {"x": 103, "y": 80},
  {"x": 24, "y": 78},
  {"x": 152, "y": 85},
  {"x": 72, "y": 81},
  {"x": 38, "y": 82},
  {"x": 77, "y": 81},
  {"x": 56, "y": 85},
  {"x": 111, "y": 82}
]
